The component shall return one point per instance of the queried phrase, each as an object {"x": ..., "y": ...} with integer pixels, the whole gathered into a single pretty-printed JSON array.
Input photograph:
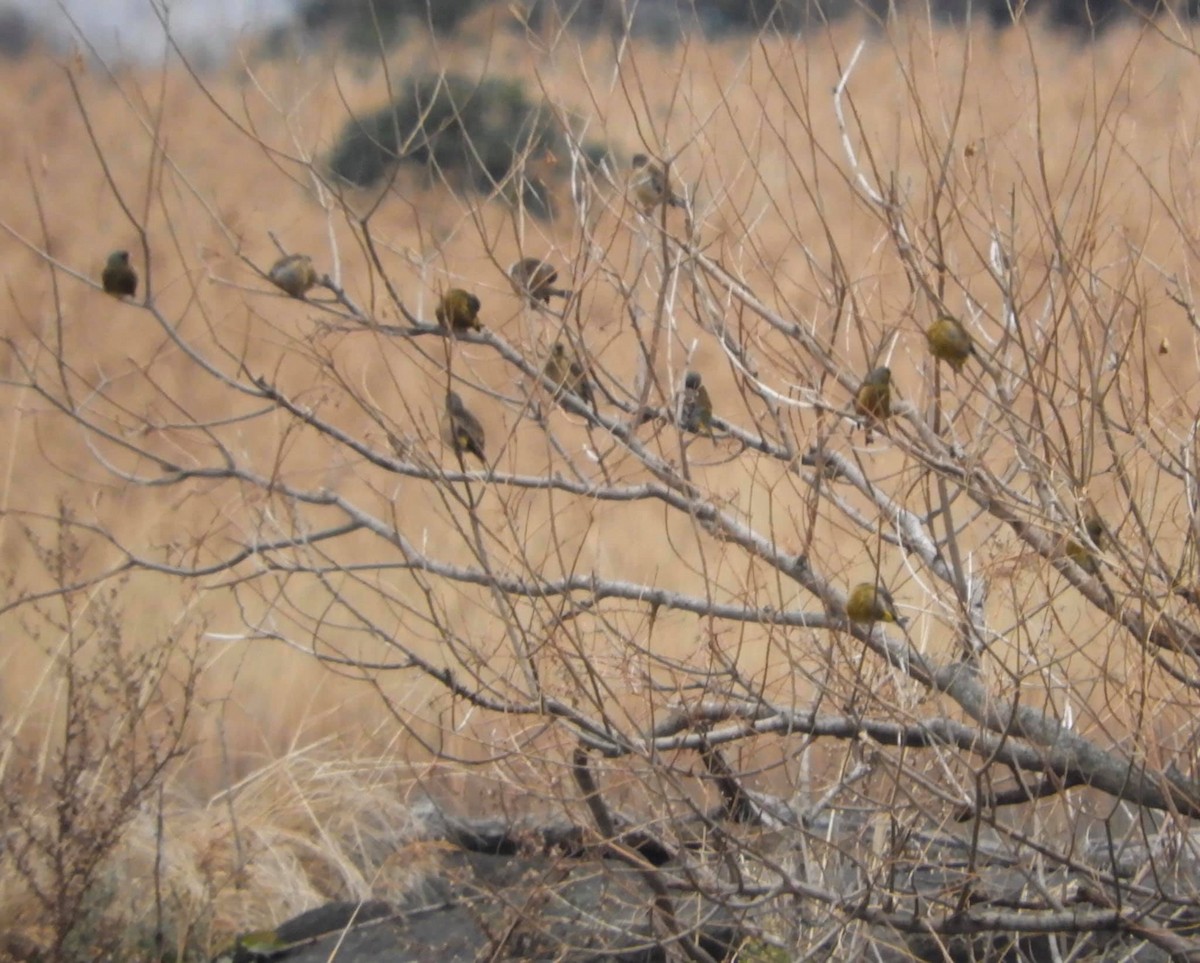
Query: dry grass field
[{"x": 1063, "y": 147}]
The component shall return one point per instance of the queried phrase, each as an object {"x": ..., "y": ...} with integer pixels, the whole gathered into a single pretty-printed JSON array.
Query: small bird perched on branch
[
  {"x": 118, "y": 277},
  {"x": 461, "y": 430},
  {"x": 563, "y": 368},
  {"x": 1082, "y": 556},
  {"x": 873, "y": 402},
  {"x": 817, "y": 458},
  {"x": 534, "y": 280},
  {"x": 458, "y": 310},
  {"x": 869, "y": 602},
  {"x": 950, "y": 342},
  {"x": 293, "y": 274},
  {"x": 650, "y": 185},
  {"x": 695, "y": 407}
]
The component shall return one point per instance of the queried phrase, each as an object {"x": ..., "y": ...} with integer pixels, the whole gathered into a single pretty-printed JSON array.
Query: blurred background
[{"x": 133, "y": 29}]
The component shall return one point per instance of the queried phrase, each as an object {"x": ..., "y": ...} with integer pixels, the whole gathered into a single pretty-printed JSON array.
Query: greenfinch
[
  {"x": 950, "y": 342},
  {"x": 1083, "y": 556},
  {"x": 118, "y": 277},
  {"x": 293, "y": 274},
  {"x": 826, "y": 466},
  {"x": 534, "y": 280},
  {"x": 873, "y": 402},
  {"x": 259, "y": 945},
  {"x": 253, "y": 947},
  {"x": 461, "y": 430},
  {"x": 458, "y": 310},
  {"x": 649, "y": 184},
  {"x": 869, "y": 602},
  {"x": 695, "y": 409},
  {"x": 565, "y": 371}
]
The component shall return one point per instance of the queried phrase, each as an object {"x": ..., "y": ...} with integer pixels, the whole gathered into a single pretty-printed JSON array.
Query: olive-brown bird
[
  {"x": 873, "y": 402},
  {"x": 293, "y": 274},
  {"x": 695, "y": 407},
  {"x": 458, "y": 310},
  {"x": 118, "y": 277},
  {"x": 565, "y": 371},
  {"x": 534, "y": 280},
  {"x": 949, "y": 341},
  {"x": 869, "y": 602},
  {"x": 650, "y": 185},
  {"x": 821, "y": 460},
  {"x": 461, "y": 430}
]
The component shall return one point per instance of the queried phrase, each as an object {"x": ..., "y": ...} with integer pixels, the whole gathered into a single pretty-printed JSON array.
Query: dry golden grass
[{"x": 1083, "y": 149}]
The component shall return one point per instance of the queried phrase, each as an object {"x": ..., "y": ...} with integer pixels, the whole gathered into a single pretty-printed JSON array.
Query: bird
[
  {"x": 458, "y": 310},
  {"x": 1081, "y": 555},
  {"x": 293, "y": 274},
  {"x": 873, "y": 402},
  {"x": 650, "y": 185},
  {"x": 565, "y": 371},
  {"x": 869, "y": 602},
  {"x": 695, "y": 408},
  {"x": 461, "y": 429},
  {"x": 949, "y": 341},
  {"x": 827, "y": 467},
  {"x": 534, "y": 280},
  {"x": 118, "y": 277},
  {"x": 258, "y": 945}
]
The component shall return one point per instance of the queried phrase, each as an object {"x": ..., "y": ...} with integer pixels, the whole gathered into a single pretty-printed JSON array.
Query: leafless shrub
[{"x": 87, "y": 753}]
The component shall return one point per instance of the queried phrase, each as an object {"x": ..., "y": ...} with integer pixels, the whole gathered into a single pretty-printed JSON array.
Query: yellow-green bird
[
  {"x": 949, "y": 341},
  {"x": 649, "y": 184},
  {"x": 873, "y": 401},
  {"x": 564, "y": 369},
  {"x": 869, "y": 602},
  {"x": 259, "y": 945},
  {"x": 118, "y": 277},
  {"x": 461, "y": 430},
  {"x": 1082, "y": 556},
  {"x": 294, "y": 274},
  {"x": 695, "y": 408},
  {"x": 458, "y": 310},
  {"x": 252, "y": 947},
  {"x": 534, "y": 280}
]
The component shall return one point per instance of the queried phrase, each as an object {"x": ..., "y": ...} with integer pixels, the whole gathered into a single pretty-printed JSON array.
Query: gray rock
[{"x": 482, "y": 905}]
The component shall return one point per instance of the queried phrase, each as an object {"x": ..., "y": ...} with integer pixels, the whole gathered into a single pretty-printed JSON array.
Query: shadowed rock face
[
  {"x": 515, "y": 907},
  {"x": 557, "y": 895}
]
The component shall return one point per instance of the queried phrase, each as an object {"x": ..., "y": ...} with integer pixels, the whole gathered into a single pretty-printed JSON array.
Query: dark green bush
[
  {"x": 470, "y": 133},
  {"x": 17, "y": 33},
  {"x": 368, "y": 24}
]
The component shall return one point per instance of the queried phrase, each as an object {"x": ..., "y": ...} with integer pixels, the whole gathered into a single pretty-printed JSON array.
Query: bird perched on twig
[
  {"x": 118, "y": 277},
  {"x": 821, "y": 460},
  {"x": 873, "y": 402},
  {"x": 869, "y": 602},
  {"x": 458, "y": 310},
  {"x": 534, "y": 280},
  {"x": 1078, "y": 553},
  {"x": 258, "y": 945},
  {"x": 461, "y": 430},
  {"x": 565, "y": 371},
  {"x": 949, "y": 341},
  {"x": 294, "y": 274},
  {"x": 650, "y": 185},
  {"x": 695, "y": 406}
]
